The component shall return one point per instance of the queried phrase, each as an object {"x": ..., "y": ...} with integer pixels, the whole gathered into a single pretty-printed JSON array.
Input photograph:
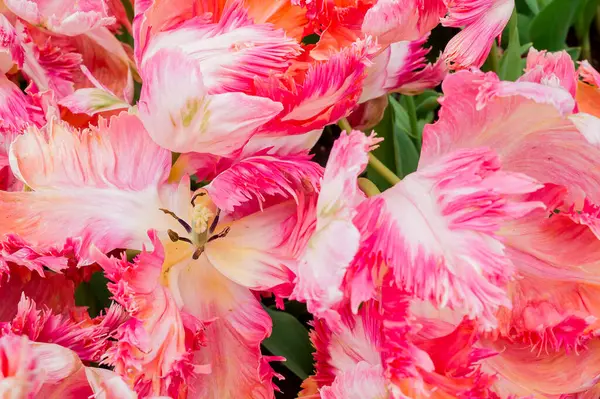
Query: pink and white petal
[
  {"x": 84, "y": 186},
  {"x": 234, "y": 337},
  {"x": 281, "y": 144},
  {"x": 335, "y": 240},
  {"x": 258, "y": 179},
  {"x": 191, "y": 120},
  {"x": 107, "y": 384},
  {"x": 369, "y": 113},
  {"x": 401, "y": 20},
  {"x": 588, "y": 125},
  {"x": 21, "y": 375},
  {"x": 92, "y": 101},
  {"x": 365, "y": 381},
  {"x": 152, "y": 352},
  {"x": 11, "y": 51},
  {"x": 483, "y": 21},
  {"x": 551, "y": 69},
  {"x": 69, "y": 17},
  {"x": 329, "y": 92},
  {"x": 256, "y": 253},
  {"x": 588, "y": 74},
  {"x": 536, "y": 149},
  {"x": 231, "y": 53},
  {"x": 460, "y": 202}
]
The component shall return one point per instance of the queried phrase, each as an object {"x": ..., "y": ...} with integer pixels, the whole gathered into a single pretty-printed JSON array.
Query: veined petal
[
  {"x": 92, "y": 101},
  {"x": 329, "y": 91},
  {"x": 255, "y": 252},
  {"x": 551, "y": 69},
  {"x": 335, "y": 241},
  {"x": 192, "y": 120},
  {"x": 84, "y": 185},
  {"x": 363, "y": 382},
  {"x": 231, "y": 53},
  {"x": 460, "y": 203},
  {"x": 260, "y": 177},
  {"x": 64, "y": 17},
  {"x": 483, "y": 21},
  {"x": 152, "y": 351},
  {"x": 234, "y": 337},
  {"x": 537, "y": 149},
  {"x": 402, "y": 20}
]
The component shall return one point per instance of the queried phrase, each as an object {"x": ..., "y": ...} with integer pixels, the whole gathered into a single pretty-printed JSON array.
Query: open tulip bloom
[{"x": 165, "y": 231}]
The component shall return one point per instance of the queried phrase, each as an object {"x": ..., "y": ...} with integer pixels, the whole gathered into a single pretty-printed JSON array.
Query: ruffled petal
[
  {"x": 552, "y": 69},
  {"x": 84, "y": 185},
  {"x": 363, "y": 382},
  {"x": 11, "y": 50},
  {"x": 335, "y": 240},
  {"x": 63, "y": 17},
  {"x": 153, "y": 350},
  {"x": 483, "y": 21},
  {"x": 261, "y": 177},
  {"x": 456, "y": 260},
  {"x": 329, "y": 91},
  {"x": 588, "y": 89},
  {"x": 400, "y": 20},
  {"x": 192, "y": 120},
  {"x": 234, "y": 337}
]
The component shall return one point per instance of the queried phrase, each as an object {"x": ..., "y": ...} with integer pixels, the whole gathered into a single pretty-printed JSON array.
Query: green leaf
[
  {"x": 585, "y": 16},
  {"x": 533, "y": 6},
  {"x": 406, "y": 154},
  {"x": 524, "y": 24},
  {"x": 550, "y": 27},
  {"x": 510, "y": 68},
  {"x": 94, "y": 294},
  {"x": 385, "y": 152},
  {"x": 574, "y": 52},
  {"x": 290, "y": 340}
]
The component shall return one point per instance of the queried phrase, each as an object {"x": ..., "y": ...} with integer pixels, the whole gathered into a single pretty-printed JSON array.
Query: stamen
[
  {"x": 185, "y": 225},
  {"x": 220, "y": 235},
  {"x": 214, "y": 223},
  {"x": 197, "y": 253},
  {"x": 176, "y": 237},
  {"x": 200, "y": 194}
]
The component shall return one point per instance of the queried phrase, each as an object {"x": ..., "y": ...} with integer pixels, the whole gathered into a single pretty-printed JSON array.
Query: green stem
[
  {"x": 368, "y": 187},
  {"x": 412, "y": 116},
  {"x": 383, "y": 170},
  {"x": 345, "y": 125},
  {"x": 494, "y": 57},
  {"x": 586, "y": 48}
]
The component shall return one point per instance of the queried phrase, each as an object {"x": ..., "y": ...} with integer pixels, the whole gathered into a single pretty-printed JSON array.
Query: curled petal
[
  {"x": 552, "y": 69},
  {"x": 400, "y": 20},
  {"x": 483, "y": 21},
  {"x": 260, "y": 177},
  {"x": 192, "y": 119},
  {"x": 329, "y": 91},
  {"x": 335, "y": 240}
]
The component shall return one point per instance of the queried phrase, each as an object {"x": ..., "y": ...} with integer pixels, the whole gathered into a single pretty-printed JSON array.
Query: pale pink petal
[
  {"x": 281, "y": 144},
  {"x": 233, "y": 338},
  {"x": 88, "y": 183},
  {"x": 588, "y": 125},
  {"x": 335, "y": 241},
  {"x": 588, "y": 74},
  {"x": 258, "y": 178},
  {"x": 329, "y": 91},
  {"x": 437, "y": 230},
  {"x": 256, "y": 253},
  {"x": 363, "y": 382},
  {"x": 11, "y": 51},
  {"x": 21, "y": 375},
  {"x": 529, "y": 137},
  {"x": 68, "y": 17},
  {"x": 369, "y": 113},
  {"x": 154, "y": 350},
  {"x": 191, "y": 119},
  {"x": 231, "y": 53},
  {"x": 399, "y": 20},
  {"x": 524, "y": 372},
  {"x": 106, "y": 384},
  {"x": 483, "y": 21},
  {"x": 552, "y": 69}
]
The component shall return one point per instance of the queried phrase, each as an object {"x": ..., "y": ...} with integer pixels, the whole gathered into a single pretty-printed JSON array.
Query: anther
[
  {"x": 176, "y": 237},
  {"x": 214, "y": 223},
  {"x": 220, "y": 235},
  {"x": 185, "y": 225},
  {"x": 197, "y": 253}
]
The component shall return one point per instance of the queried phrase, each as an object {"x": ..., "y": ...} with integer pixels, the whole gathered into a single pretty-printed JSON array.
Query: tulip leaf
[
  {"x": 385, "y": 152},
  {"x": 406, "y": 154},
  {"x": 551, "y": 25},
  {"x": 510, "y": 65},
  {"x": 290, "y": 340}
]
